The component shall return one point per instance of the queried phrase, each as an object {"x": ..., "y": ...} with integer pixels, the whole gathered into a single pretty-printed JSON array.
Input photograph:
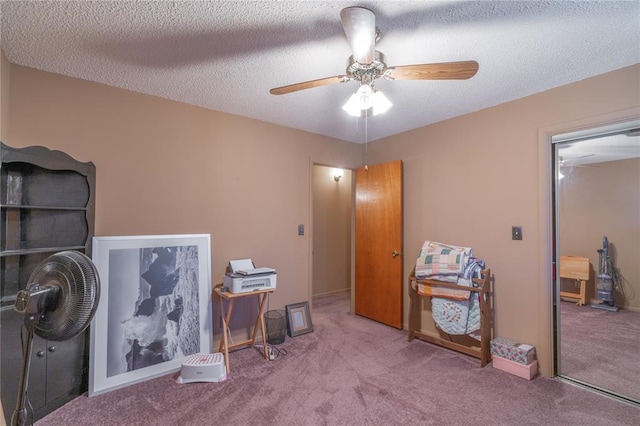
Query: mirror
[{"x": 597, "y": 240}]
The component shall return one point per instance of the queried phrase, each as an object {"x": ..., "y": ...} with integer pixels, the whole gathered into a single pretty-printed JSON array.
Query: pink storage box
[
  {"x": 512, "y": 350},
  {"x": 526, "y": 371}
]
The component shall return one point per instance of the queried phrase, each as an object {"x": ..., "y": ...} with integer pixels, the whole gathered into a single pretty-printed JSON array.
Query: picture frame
[
  {"x": 298, "y": 319},
  {"x": 155, "y": 307}
]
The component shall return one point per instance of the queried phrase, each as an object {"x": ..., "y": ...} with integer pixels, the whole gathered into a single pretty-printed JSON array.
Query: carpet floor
[
  {"x": 601, "y": 348},
  {"x": 350, "y": 371}
]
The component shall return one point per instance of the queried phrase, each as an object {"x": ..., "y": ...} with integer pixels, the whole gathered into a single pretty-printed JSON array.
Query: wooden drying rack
[{"x": 483, "y": 352}]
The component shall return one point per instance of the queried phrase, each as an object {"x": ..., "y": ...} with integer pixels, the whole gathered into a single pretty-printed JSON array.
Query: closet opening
[{"x": 595, "y": 247}]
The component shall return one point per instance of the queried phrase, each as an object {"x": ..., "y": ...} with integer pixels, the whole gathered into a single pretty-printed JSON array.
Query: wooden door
[{"x": 378, "y": 243}]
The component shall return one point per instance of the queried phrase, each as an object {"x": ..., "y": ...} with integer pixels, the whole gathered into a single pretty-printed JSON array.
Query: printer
[{"x": 242, "y": 277}]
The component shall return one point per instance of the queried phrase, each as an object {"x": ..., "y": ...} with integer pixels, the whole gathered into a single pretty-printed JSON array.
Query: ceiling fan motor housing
[{"x": 366, "y": 73}]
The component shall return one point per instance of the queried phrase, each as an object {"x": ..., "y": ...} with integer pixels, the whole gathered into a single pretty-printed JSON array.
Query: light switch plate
[{"x": 516, "y": 232}]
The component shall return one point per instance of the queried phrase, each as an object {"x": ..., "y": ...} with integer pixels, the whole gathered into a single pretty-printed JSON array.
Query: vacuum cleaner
[{"x": 606, "y": 280}]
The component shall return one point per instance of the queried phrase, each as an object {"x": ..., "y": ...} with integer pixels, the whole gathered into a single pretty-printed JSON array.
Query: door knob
[
  {"x": 395, "y": 253},
  {"x": 40, "y": 354},
  {"x": 52, "y": 348}
]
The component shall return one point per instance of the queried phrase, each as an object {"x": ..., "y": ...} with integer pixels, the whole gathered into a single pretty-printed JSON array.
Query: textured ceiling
[{"x": 226, "y": 55}]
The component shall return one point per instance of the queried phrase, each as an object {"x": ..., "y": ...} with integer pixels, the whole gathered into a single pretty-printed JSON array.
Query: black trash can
[{"x": 276, "y": 325}]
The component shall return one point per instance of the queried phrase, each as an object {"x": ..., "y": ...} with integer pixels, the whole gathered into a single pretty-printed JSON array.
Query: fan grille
[{"x": 78, "y": 285}]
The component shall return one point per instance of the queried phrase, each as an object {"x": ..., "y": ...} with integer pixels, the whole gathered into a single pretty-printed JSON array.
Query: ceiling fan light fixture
[
  {"x": 360, "y": 101},
  {"x": 364, "y": 98}
]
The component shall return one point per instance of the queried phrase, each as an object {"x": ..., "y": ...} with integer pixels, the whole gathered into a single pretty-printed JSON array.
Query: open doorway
[
  {"x": 332, "y": 212},
  {"x": 597, "y": 218}
]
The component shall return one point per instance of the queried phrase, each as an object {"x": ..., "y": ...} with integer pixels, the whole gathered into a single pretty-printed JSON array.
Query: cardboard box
[
  {"x": 512, "y": 350},
  {"x": 526, "y": 371}
]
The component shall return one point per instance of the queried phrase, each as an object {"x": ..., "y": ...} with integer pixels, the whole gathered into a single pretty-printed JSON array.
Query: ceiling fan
[
  {"x": 367, "y": 64},
  {"x": 568, "y": 163}
]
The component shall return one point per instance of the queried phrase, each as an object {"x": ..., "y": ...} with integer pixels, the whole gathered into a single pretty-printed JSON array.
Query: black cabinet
[{"x": 48, "y": 205}]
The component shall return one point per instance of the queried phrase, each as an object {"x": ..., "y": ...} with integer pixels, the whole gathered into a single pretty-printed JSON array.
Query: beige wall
[
  {"x": 169, "y": 168},
  {"x": 165, "y": 167},
  {"x": 497, "y": 172},
  {"x": 331, "y": 231},
  {"x": 604, "y": 201}
]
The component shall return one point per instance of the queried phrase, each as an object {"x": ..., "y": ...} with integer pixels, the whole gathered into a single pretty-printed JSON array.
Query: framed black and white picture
[{"x": 155, "y": 307}]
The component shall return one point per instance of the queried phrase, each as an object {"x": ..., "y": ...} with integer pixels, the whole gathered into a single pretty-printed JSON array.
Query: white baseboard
[{"x": 332, "y": 292}]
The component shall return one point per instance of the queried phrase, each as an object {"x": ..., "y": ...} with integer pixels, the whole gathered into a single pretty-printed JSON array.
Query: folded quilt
[
  {"x": 441, "y": 260},
  {"x": 457, "y": 316},
  {"x": 448, "y": 293},
  {"x": 460, "y": 316},
  {"x": 455, "y": 311}
]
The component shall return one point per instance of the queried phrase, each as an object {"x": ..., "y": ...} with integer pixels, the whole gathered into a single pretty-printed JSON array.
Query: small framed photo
[{"x": 298, "y": 319}]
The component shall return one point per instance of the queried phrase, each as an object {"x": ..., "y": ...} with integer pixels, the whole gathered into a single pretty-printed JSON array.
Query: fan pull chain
[{"x": 366, "y": 140}]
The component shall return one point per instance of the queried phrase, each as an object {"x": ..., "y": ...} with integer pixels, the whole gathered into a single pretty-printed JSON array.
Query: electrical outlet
[{"x": 516, "y": 232}]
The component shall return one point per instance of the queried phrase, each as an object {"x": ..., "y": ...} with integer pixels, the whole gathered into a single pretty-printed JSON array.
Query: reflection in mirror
[{"x": 597, "y": 235}]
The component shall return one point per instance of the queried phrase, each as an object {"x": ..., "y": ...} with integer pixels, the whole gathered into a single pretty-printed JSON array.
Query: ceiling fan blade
[
  {"x": 588, "y": 166},
  {"x": 308, "y": 84},
  {"x": 567, "y": 161},
  {"x": 583, "y": 156},
  {"x": 442, "y": 71},
  {"x": 360, "y": 29}
]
